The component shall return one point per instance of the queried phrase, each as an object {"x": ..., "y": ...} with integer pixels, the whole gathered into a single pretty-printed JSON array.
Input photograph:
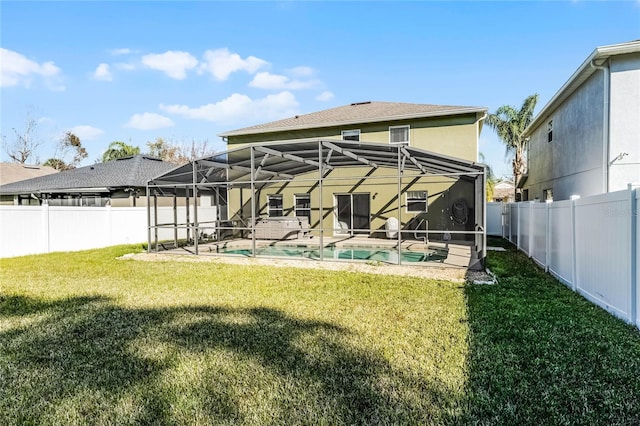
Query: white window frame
[
  {"x": 297, "y": 209},
  {"x": 410, "y": 196},
  {"x": 351, "y": 132},
  {"x": 550, "y": 131},
  {"x": 406, "y": 126},
  {"x": 270, "y": 209}
]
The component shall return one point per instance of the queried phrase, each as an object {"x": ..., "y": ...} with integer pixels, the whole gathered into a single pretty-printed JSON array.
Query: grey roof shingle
[
  {"x": 361, "y": 112},
  {"x": 125, "y": 172}
]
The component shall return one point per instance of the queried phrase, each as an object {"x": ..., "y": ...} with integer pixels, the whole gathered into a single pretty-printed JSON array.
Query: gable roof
[
  {"x": 356, "y": 113},
  {"x": 14, "y": 172},
  {"x": 121, "y": 173},
  {"x": 598, "y": 57}
]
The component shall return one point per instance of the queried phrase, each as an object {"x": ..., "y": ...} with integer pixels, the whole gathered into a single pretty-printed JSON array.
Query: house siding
[
  {"x": 455, "y": 136},
  {"x": 625, "y": 122},
  {"x": 382, "y": 188},
  {"x": 572, "y": 164}
]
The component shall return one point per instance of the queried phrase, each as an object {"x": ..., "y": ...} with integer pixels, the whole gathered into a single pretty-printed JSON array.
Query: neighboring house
[
  {"x": 586, "y": 140},
  {"x": 14, "y": 172},
  {"x": 119, "y": 182},
  {"x": 350, "y": 170},
  {"x": 504, "y": 191}
]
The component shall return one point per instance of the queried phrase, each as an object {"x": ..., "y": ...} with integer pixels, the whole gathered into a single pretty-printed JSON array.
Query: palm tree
[
  {"x": 509, "y": 124},
  {"x": 118, "y": 149}
]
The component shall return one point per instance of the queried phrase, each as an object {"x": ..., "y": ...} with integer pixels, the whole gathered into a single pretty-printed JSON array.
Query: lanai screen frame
[{"x": 258, "y": 165}]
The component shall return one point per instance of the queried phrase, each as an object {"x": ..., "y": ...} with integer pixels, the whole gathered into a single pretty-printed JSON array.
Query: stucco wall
[
  {"x": 382, "y": 189},
  {"x": 625, "y": 121},
  {"x": 572, "y": 164},
  {"x": 455, "y": 136}
]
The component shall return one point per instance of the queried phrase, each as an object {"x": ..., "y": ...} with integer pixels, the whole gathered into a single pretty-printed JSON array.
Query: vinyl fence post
[
  {"x": 531, "y": 239},
  {"x": 633, "y": 212},
  {"x": 45, "y": 228},
  {"x": 574, "y": 261},
  {"x": 518, "y": 236},
  {"x": 547, "y": 249}
]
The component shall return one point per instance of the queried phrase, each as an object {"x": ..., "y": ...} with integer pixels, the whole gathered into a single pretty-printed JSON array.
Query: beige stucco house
[
  {"x": 360, "y": 170},
  {"x": 353, "y": 205}
]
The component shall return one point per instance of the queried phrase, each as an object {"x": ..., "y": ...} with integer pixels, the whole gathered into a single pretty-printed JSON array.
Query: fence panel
[
  {"x": 494, "y": 219},
  {"x": 78, "y": 228},
  {"x": 23, "y": 230},
  {"x": 128, "y": 225},
  {"x": 539, "y": 233},
  {"x": 603, "y": 248},
  {"x": 514, "y": 221},
  {"x": 560, "y": 257},
  {"x": 525, "y": 227},
  {"x": 636, "y": 212},
  {"x": 43, "y": 229}
]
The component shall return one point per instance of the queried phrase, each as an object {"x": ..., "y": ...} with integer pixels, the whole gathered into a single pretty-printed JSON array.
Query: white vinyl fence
[
  {"x": 45, "y": 229},
  {"x": 589, "y": 244}
]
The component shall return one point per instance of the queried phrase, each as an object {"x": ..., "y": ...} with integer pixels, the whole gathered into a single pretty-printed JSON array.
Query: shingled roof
[
  {"x": 356, "y": 113},
  {"x": 121, "y": 173}
]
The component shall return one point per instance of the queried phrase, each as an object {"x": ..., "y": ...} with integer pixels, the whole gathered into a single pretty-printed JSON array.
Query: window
[
  {"x": 547, "y": 195},
  {"x": 302, "y": 204},
  {"x": 550, "y": 131},
  {"x": 275, "y": 205},
  {"x": 399, "y": 134},
  {"x": 351, "y": 135},
  {"x": 417, "y": 201}
]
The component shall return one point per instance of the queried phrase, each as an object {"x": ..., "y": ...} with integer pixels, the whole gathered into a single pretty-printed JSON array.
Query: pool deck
[{"x": 459, "y": 254}]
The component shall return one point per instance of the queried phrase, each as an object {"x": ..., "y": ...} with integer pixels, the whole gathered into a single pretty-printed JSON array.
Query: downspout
[{"x": 605, "y": 124}]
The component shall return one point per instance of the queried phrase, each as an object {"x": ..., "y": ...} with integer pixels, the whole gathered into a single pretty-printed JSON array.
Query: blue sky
[{"x": 184, "y": 71}]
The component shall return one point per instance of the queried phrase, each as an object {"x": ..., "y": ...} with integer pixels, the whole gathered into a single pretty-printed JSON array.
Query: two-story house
[{"x": 586, "y": 140}]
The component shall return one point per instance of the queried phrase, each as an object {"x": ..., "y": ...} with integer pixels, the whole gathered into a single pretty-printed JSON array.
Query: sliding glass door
[{"x": 352, "y": 213}]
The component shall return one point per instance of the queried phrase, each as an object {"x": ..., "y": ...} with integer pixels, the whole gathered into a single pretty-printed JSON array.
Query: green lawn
[{"x": 85, "y": 338}]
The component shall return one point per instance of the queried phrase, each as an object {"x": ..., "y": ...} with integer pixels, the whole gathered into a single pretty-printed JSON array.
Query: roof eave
[
  {"x": 457, "y": 111},
  {"x": 600, "y": 54}
]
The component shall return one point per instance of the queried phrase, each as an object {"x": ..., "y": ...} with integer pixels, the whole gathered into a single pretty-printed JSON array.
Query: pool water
[{"x": 432, "y": 254}]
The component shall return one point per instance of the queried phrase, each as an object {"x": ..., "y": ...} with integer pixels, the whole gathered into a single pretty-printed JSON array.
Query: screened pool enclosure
[{"x": 321, "y": 199}]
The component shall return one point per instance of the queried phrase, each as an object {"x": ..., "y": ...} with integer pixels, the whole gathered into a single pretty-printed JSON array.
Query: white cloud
[
  {"x": 125, "y": 67},
  {"x": 149, "y": 121},
  {"x": 118, "y": 52},
  {"x": 86, "y": 132},
  {"x": 325, "y": 96},
  {"x": 221, "y": 63},
  {"x": 239, "y": 108},
  {"x": 18, "y": 70},
  {"x": 103, "y": 73},
  {"x": 302, "y": 71},
  {"x": 174, "y": 63},
  {"x": 266, "y": 80}
]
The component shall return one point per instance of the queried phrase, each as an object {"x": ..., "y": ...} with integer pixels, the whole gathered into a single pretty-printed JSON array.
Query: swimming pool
[{"x": 374, "y": 254}]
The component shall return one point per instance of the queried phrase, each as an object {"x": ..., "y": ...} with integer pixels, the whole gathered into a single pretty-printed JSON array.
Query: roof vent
[
  {"x": 297, "y": 116},
  {"x": 360, "y": 103}
]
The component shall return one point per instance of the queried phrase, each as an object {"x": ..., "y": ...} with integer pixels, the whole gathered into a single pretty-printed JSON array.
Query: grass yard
[{"x": 85, "y": 338}]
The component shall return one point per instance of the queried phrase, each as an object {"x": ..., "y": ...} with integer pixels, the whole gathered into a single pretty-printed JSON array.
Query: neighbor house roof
[
  {"x": 121, "y": 173},
  {"x": 598, "y": 57},
  {"x": 14, "y": 172},
  {"x": 356, "y": 113}
]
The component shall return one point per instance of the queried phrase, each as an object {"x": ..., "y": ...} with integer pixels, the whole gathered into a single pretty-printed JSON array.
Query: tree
[
  {"x": 509, "y": 124},
  {"x": 119, "y": 149},
  {"x": 25, "y": 142},
  {"x": 68, "y": 143},
  {"x": 490, "y": 177},
  {"x": 178, "y": 154}
]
